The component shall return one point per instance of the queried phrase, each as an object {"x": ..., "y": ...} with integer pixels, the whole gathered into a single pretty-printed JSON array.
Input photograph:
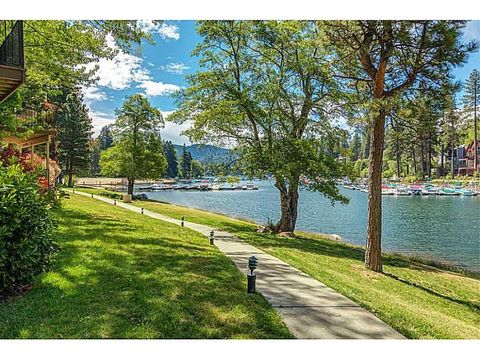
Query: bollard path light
[
  {"x": 92, "y": 195},
  {"x": 251, "y": 277},
  {"x": 252, "y": 264},
  {"x": 183, "y": 220},
  {"x": 115, "y": 202},
  {"x": 212, "y": 234},
  {"x": 142, "y": 210}
]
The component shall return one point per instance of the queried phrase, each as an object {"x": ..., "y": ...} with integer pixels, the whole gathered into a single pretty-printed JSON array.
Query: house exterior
[
  {"x": 464, "y": 160},
  {"x": 12, "y": 70}
]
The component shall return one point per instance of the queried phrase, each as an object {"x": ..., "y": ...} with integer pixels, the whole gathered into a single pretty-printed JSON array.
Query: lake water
[{"x": 444, "y": 228}]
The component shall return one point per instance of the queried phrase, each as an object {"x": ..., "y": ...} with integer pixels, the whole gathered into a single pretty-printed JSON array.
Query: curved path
[{"x": 308, "y": 307}]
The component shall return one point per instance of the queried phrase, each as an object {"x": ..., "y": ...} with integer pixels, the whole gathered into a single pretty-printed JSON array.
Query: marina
[{"x": 441, "y": 227}]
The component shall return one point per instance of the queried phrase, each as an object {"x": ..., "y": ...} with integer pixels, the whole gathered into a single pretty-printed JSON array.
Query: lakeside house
[{"x": 464, "y": 159}]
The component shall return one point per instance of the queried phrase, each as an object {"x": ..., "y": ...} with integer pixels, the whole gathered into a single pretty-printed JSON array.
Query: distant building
[{"x": 464, "y": 159}]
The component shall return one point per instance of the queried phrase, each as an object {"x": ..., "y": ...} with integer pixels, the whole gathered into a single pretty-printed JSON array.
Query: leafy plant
[{"x": 26, "y": 245}]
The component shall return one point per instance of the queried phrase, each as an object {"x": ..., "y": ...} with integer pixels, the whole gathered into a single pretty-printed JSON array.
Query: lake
[{"x": 444, "y": 228}]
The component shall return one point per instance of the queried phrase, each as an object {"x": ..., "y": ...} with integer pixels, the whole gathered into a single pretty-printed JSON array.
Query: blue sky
[{"x": 161, "y": 68}]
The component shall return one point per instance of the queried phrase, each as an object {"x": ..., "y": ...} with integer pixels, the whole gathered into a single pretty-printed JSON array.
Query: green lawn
[
  {"x": 418, "y": 300},
  {"x": 123, "y": 275}
]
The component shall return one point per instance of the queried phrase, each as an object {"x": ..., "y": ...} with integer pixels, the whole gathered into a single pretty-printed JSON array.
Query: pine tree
[
  {"x": 383, "y": 60},
  {"x": 186, "y": 162},
  {"x": 74, "y": 134},
  {"x": 105, "y": 138},
  {"x": 356, "y": 146},
  {"x": 101, "y": 143},
  {"x": 172, "y": 159},
  {"x": 471, "y": 100}
]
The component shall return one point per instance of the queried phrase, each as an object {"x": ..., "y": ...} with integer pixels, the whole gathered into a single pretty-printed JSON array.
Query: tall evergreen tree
[
  {"x": 74, "y": 134},
  {"x": 172, "y": 159},
  {"x": 186, "y": 163},
  {"x": 471, "y": 100},
  {"x": 101, "y": 143},
  {"x": 381, "y": 61},
  {"x": 105, "y": 138},
  {"x": 356, "y": 146}
]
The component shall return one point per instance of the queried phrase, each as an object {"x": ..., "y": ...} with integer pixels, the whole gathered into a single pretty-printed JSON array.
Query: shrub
[
  {"x": 26, "y": 225},
  {"x": 110, "y": 194}
]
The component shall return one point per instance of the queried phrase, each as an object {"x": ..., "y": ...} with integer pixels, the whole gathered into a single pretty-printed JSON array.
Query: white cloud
[
  {"x": 154, "y": 88},
  {"x": 166, "y": 31},
  {"x": 100, "y": 119},
  {"x": 175, "y": 68},
  {"x": 172, "y": 131},
  {"x": 92, "y": 94},
  {"x": 119, "y": 72},
  {"x": 123, "y": 72}
]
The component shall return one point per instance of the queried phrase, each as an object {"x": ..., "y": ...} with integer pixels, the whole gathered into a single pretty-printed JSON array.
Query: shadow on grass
[
  {"x": 113, "y": 280},
  {"x": 473, "y": 306}
]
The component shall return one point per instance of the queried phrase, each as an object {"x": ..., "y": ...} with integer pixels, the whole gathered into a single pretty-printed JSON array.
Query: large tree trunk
[
  {"x": 70, "y": 175},
  {"x": 399, "y": 159},
  {"x": 429, "y": 162},
  {"x": 452, "y": 165},
  {"x": 422, "y": 159},
  {"x": 475, "y": 137},
  {"x": 288, "y": 204},
  {"x": 414, "y": 161},
  {"x": 373, "y": 253},
  {"x": 131, "y": 182},
  {"x": 442, "y": 161}
]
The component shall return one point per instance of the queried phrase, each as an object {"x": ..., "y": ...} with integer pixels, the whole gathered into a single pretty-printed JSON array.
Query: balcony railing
[{"x": 11, "y": 48}]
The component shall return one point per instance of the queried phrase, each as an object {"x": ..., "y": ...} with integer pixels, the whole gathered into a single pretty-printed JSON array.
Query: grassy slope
[
  {"x": 120, "y": 274},
  {"x": 418, "y": 300}
]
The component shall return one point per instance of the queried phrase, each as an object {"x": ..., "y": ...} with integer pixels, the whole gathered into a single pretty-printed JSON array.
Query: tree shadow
[
  {"x": 110, "y": 281},
  {"x": 471, "y": 305}
]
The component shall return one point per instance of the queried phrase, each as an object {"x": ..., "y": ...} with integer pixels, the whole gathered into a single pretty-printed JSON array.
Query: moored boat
[
  {"x": 250, "y": 187},
  {"x": 448, "y": 192}
]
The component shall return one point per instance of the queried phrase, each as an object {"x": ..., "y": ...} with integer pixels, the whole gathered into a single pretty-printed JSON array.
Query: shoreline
[
  {"x": 431, "y": 262},
  {"x": 422, "y": 260}
]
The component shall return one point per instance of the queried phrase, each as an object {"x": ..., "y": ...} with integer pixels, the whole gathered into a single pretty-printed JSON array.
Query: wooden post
[{"x": 47, "y": 159}]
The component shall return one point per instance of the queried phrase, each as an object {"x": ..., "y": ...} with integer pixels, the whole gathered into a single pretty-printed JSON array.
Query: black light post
[
  {"x": 142, "y": 210},
  {"x": 251, "y": 277},
  {"x": 212, "y": 234},
  {"x": 73, "y": 189},
  {"x": 114, "y": 202},
  {"x": 92, "y": 195},
  {"x": 183, "y": 220}
]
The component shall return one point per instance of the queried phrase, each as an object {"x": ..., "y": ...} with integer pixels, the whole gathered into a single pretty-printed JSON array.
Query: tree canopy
[
  {"x": 137, "y": 151},
  {"x": 265, "y": 89}
]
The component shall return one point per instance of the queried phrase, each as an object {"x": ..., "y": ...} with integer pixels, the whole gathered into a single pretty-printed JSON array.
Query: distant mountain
[{"x": 206, "y": 153}]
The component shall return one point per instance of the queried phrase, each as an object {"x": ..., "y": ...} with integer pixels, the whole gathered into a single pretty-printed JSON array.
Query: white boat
[
  {"x": 249, "y": 186},
  {"x": 429, "y": 191},
  {"x": 465, "y": 192},
  {"x": 159, "y": 187},
  {"x": 387, "y": 191},
  {"x": 402, "y": 191}
]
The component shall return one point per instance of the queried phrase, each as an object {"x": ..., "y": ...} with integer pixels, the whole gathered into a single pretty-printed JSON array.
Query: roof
[{"x": 36, "y": 138}]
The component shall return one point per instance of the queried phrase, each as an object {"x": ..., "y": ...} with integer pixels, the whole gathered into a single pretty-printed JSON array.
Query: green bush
[
  {"x": 26, "y": 225},
  {"x": 110, "y": 194}
]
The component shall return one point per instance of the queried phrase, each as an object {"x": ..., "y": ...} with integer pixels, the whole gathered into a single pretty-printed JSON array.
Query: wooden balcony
[{"x": 12, "y": 70}]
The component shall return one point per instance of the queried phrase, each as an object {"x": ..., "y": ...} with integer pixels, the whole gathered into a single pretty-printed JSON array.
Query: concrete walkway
[{"x": 308, "y": 307}]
